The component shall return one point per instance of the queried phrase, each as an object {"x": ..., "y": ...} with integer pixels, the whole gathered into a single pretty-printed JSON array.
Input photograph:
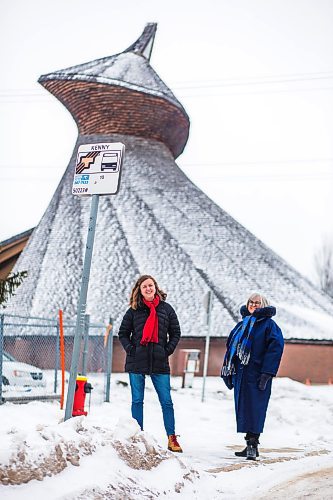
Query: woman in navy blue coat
[{"x": 254, "y": 351}]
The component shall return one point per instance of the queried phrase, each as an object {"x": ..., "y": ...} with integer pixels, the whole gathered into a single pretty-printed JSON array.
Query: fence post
[
  {"x": 209, "y": 303},
  {"x": 56, "y": 361},
  {"x": 85, "y": 343},
  {"x": 109, "y": 362},
  {"x": 1, "y": 352}
]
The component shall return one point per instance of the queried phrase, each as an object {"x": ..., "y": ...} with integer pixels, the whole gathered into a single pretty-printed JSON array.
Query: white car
[{"x": 15, "y": 373}]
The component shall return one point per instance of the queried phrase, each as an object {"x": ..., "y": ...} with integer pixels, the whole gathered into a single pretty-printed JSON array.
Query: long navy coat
[{"x": 266, "y": 352}]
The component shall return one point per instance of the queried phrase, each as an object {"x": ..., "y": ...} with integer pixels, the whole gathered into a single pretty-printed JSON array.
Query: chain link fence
[{"x": 30, "y": 356}]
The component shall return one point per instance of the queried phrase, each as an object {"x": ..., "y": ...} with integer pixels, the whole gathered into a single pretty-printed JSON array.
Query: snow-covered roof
[
  {"x": 16, "y": 237},
  {"x": 130, "y": 69},
  {"x": 122, "y": 94},
  {"x": 160, "y": 223}
]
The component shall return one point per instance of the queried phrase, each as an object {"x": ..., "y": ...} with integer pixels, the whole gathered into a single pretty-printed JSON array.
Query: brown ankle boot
[{"x": 173, "y": 444}]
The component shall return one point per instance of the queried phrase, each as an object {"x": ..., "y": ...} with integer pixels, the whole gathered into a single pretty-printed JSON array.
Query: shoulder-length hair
[
  {"x": 136, "y": 299},
  {"x": 263, "y": 300}
]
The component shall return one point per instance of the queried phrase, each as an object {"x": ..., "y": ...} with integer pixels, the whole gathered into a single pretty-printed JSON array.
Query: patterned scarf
[
  {"x": 239, "y": 345},
  {"x": 150, "y": 330}
]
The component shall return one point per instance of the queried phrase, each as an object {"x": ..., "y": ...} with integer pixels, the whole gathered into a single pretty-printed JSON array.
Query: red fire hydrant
[{"x": 82, "y": 388}]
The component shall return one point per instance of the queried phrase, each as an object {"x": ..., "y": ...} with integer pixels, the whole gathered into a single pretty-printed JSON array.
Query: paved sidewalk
[{"x": 314, "y": 485}]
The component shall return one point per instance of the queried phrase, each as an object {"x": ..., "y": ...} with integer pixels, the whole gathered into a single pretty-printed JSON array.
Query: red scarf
[{"x": 150, "y": 330}]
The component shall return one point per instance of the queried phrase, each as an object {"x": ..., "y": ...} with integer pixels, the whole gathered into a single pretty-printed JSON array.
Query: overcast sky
[{"x": 255, "y": 77}]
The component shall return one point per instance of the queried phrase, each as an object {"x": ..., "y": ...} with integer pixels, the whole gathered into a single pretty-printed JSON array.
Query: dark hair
[{"x": 136, "y": 298}]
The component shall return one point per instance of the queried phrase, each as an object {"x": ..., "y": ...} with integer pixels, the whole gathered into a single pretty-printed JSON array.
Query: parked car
[{"x": 20, "y": 374}]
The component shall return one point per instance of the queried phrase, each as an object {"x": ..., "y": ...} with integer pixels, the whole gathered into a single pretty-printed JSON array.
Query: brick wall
[{"x": 299, "y": 362}]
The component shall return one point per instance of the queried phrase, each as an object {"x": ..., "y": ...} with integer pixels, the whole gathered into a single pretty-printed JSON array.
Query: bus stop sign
[{"x": 98, "y": 168}]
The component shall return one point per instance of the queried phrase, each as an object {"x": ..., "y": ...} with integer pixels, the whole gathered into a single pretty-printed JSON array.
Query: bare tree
[{"x": 323, "y": 261}]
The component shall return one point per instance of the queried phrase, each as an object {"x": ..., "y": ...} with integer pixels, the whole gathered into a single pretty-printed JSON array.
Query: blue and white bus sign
[{"x": 98, "y": 168}]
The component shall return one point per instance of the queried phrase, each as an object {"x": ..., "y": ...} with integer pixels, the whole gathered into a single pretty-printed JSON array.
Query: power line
[
  {"x": 260, "y": 162},
  {"x": 242, "y": 80},
  {"x": 50, "y": 100},
  {"x": 25, "y": 167},
  {"x": 15, "y": 96},
  {"x": 250, "y": 174},
  {"x": 245, "y": 78},
  {"x": 255, "y": 92},
  {"x": 25, "y": 179},
  {"x": 249, "y": 82},
  {"x": 253, "y": 176},
  {"x": 285, "y": 161}
]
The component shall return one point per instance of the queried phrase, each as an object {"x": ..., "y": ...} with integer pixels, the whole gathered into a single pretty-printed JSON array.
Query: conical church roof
[
  {"x": 130, "y": 69},
  {"x": 159, "y": 223},
  {"x": 122, "y": 94}
]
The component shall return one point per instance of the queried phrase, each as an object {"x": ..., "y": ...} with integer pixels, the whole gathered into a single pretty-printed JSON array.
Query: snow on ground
[{"x": 106, "y": 456}]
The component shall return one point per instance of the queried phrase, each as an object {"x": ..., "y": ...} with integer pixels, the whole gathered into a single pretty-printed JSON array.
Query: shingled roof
[
  {"x": 122, "y": 94},
  {"x": 10, "y": 250}
]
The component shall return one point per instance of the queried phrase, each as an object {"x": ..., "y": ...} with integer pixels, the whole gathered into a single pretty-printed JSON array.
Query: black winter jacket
[{"x": 150, "y": 358}]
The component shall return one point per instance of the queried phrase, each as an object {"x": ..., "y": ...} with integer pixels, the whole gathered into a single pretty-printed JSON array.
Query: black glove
[
  {"x": 227, "y": 379},
  {"x": 264, "y": 378}
]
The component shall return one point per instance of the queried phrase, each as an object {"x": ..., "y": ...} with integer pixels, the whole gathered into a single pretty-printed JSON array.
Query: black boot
[
  {"x": 243, "y": 452},
  {"x": 252, "y": 449}
]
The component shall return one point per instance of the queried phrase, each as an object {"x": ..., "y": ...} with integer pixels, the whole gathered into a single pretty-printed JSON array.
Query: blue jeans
[{"x": 161, "y": 382}]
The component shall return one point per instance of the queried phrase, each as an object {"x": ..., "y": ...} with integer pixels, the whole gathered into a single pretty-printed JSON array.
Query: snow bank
[
  {"x": 106, "y": 456},
  {"x": 47, "y": 449}
]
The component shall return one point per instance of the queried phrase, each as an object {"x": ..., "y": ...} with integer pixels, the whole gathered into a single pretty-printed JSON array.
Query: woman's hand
[
  {"x": 227, "y": 379},
  {"x": 264, "y": 378},
  {"x": 131, "y": 350}
]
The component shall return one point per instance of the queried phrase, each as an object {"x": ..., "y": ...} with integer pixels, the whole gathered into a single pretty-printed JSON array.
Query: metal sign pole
[
  {"x": 80, "y": 319},
  {"x": 109, "y": 362},
  {"x": 85, "y": 344},
  {"x": 209, "y": 299}
]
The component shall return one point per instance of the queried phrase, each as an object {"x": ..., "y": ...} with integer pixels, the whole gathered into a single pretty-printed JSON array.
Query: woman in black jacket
[{"x": 149, "y": 333}]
